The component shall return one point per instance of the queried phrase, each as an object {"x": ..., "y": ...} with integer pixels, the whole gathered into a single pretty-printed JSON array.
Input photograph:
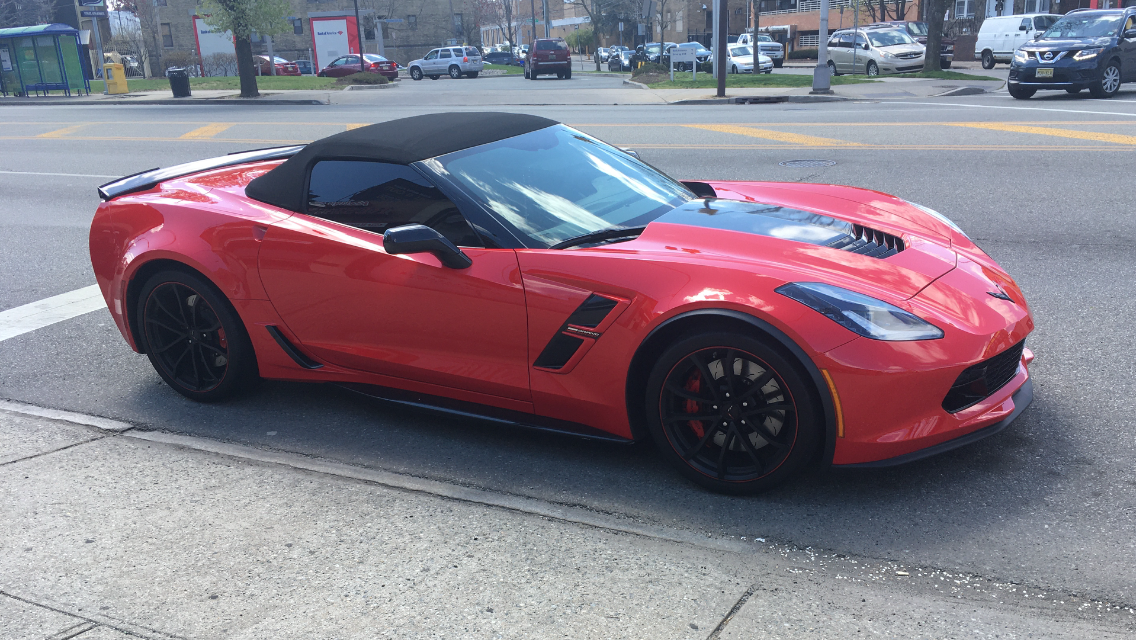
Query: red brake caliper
[{"x": 694, "y": 385}]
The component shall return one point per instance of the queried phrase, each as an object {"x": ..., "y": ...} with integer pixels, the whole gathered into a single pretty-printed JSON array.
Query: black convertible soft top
[{"x": 400, "y": 141}]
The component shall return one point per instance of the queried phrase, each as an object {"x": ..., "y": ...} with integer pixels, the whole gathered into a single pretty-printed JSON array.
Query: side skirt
[{"x": 449, "y": 406}]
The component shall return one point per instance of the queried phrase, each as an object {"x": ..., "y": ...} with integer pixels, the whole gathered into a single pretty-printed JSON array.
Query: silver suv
[{"x": 452, "y": 61}]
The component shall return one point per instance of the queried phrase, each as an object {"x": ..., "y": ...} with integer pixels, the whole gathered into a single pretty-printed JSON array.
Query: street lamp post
[
  {"x": 821, "y": 77},
  {"x": 359, "y": 34}
]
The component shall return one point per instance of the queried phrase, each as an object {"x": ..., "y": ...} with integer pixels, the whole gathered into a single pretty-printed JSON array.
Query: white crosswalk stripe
[{"x": 48, "y": 311}]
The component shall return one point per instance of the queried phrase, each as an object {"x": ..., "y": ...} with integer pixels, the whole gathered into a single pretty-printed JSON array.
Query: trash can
[
  {"x": 179, "y": 82},
  {"x": 115, "y": 78}
]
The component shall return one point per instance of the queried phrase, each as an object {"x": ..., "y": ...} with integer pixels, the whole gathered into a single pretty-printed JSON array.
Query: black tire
[
  {"x": 1109, "y": 82},
  {"x": 435, "y": 77},
  {"x": 568, "y": 74},
  {"x": 832, "y": 69},
  {"x": 872, "y": 69},
  {"x": 1074, "y": 90},
  {"x": 778, "y": 63},
  {"x": 988, "y": 59},
  {"x": 455, "y": 72},
  {"x": 944, "y": 64},
  {"x": 721, "y": 451},
  {"x": 472, "y": 74},
  {"x": 415, "y": 73},
  {"x": 216, "y": 359},
  {"x": 1021, "y": 93},
  {"x": 559, "y": 75},
  {"x": 734, "y": 69}
]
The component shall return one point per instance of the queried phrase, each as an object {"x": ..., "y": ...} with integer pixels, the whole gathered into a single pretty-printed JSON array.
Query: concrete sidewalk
[{"x": 116, "y": 534}]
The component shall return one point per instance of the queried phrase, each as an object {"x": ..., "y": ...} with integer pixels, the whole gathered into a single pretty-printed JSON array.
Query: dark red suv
[{"x": 548, "y": 55}]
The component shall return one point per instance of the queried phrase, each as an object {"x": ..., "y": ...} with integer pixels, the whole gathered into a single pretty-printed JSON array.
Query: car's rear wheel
[
  {"x": 568, "y": 74},
  {"x": 455, "y": 72},
  {"x": 872, "y": 69},
  {"x": 1021, "y": 93},
  {"x": 193, "y": 337},
  {"x": 435, "y": 77},
  {"x": 559, "y": 75},
  {"x": 1109, "y": 82},
  {"x": 415, "y": 73},
  {"x": 987, "y": 59},
  {"x": 731, "y": 413},
  {"x": 472, "y": 74},
  {"x": 944, "y": 64}
]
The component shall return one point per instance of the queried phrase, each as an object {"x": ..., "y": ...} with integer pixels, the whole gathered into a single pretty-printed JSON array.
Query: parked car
[
  {"x": 653, "y": 52},
  {"x": 283, "y": 67},
  {"x": 767, "y": 46},
  {"x": 502, "y": 57},
  {"x": 620, "y": 60},
  {"x": 1000, "y": 36},
  {"x": 601, "y": 55},
  {"x": 447, "y": 61},
  {"x": 701, "y": 54},
  {"x": 548, "y": 55},
  {"x": 918, "y": 31},
  {"x": 739, "y": 59},
  {"x": 349, "y": 64},
  {"x": 1085, "y": 49},
  {"x": 874, "y": 51},
  {"x": 305, "y": 66},
  {"x": 744, "y": 329}
]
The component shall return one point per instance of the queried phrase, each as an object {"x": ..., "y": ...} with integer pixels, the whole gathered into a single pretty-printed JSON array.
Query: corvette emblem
[{"x": 1001, "y": 295}]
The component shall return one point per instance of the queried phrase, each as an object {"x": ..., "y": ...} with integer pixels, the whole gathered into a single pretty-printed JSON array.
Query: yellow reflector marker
[{"x": 835, "y": 403}]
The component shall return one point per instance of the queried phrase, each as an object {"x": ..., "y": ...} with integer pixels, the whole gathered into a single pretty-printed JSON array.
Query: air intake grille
[
  {"x": 980, "y": 381},
  {"x": 869, "y": 242}
]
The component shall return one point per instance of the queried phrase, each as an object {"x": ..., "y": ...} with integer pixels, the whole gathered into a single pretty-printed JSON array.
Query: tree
[
  {"x": 242, "y": 18},
  {"x": 934, "y": 10},
  {"x": 22, "y": 13},
  {"x": 499, "y": 13},
  {"x": 595, "y": 10}
]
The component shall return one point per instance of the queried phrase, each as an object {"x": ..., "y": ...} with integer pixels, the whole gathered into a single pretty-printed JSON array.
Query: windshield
[
  {"x": 557, "y": 183},
  {"x": 917, "y": 28},
  {"x": 889, "y": 38},
  {"x": 1085, "y": 26},
  {"x": 741, "y": 51},
  {"x": 653, "y": 48},
  {"x": 764, "y": 39}
]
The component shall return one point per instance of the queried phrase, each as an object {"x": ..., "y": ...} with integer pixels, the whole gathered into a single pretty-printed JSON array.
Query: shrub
[
  {"x": 650, "y": 67},
  {"x": 220, "y": 64},
  {"x": 706, "y": 67},
  {"x": 363, "y": 78},
  {"x": 798, "y": 54}
]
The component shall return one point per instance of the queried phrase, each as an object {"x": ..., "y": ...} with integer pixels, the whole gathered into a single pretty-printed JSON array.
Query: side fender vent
[{"x": 591, "y": 314}]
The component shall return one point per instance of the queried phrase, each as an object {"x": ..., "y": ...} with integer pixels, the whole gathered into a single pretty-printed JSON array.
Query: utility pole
[
  {"x": 721, "y": 18},
  {"x": 544, "y": 4},
  {"x": 271, "y": 57},
  {"x": 821, "y": 77},
  {"x": 359, "y": 33},
  {"x": 532, "y": 4}
]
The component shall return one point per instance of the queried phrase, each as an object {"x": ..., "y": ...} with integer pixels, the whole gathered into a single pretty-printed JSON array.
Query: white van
[{"x": 1000, "y": 36}]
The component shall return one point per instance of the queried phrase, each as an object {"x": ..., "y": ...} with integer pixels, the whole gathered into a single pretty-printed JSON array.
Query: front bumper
[
  {"x": 901, "y": 66},
  {"x": 1067, "y": 73}
]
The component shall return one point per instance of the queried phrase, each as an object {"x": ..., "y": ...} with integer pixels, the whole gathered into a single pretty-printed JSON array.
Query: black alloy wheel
[
  {"x": 1109, "y": 82},
  {"x": 415, "y": 73},
  {"x": 731, "y": 413},
  {"x": 193, "y": 338},
  {"x": 987, "y": 59}
]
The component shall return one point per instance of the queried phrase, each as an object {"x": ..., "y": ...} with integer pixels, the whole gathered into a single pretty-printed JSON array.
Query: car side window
[
  {"x": 860, "y": 41},
  {"x": 445, "y": 53},
  {"x": 376, "y": 196},
  {"x": 432, "y": 55},
  {"x": 1025, "y": 24}
]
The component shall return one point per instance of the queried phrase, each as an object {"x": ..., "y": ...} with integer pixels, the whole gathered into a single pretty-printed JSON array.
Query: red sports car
[{"x": 509, "y": 267}]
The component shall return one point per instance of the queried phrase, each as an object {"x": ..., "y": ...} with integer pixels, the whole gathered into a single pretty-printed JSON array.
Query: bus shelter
[{"x": 41, "y": 58}]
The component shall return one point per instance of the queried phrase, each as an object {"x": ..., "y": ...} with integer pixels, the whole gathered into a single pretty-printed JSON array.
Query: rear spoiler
[{"x": 152, "y": 177}]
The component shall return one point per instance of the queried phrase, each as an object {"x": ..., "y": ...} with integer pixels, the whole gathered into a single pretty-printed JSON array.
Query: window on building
[
  {"x": 298, "y": 26},
  {"x": 375, "y": 196},
  {"x": 709, "y": 20},
  {"x": 964, "y": 8},
  {"x": 412, "y": 22},
  {"x": 678, "y": 22},
  {"x": 808, "y": 41},
  {"x": 167, "y": 36}
]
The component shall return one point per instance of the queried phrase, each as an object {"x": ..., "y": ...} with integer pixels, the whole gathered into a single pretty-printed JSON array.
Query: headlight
[
  {"x": 1087, "y": 54},
  {"x": 1021, "y": 56},
  {"x": 940, "y": 217},
  {"x": 888, "y": 54},
  {"x": 860, "y": 314}
]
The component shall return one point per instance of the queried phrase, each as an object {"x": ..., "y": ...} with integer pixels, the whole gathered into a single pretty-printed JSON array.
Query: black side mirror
[
  {"x": 417, "y": 238},
  {"x": 1130, "y": 34},
  {"x": 1023, "y": 28},
  {"x": 866, "y": 46}
]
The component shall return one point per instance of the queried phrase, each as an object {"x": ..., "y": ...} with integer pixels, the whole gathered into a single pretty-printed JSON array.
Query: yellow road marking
[
  {"x": 780, "y": 136},
  {"x": 356, "y": 125},
  {"x": 60, "y": 133},
  {"x": 208, "y": 131},
  {"x": 1046, "y": 131}
]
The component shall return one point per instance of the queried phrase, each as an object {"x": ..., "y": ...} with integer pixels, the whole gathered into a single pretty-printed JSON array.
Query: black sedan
[{"x": 502, "y": 57}]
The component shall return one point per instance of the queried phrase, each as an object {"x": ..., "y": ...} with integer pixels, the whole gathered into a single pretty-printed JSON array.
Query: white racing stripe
[
  {"x": 48, "y": 311},
  {"x": 47, "y": 173}
]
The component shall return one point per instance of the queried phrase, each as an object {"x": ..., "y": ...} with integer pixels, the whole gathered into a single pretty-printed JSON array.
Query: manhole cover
[{"x": 807, "y": 164}]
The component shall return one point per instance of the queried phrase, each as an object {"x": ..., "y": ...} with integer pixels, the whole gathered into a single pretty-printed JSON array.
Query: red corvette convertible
[{"x": 509, "y": 267}]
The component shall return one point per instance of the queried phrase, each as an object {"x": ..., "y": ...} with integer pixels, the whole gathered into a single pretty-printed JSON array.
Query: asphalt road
[{"x": 1041, "y": 185}]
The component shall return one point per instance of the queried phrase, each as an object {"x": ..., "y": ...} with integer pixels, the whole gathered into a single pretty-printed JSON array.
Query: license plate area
[{"x": 1044, "y": 73}]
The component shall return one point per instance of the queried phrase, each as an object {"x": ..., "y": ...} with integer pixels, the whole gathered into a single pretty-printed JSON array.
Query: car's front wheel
[
  {"x": 832, "y": 68},
  {"x": 1074, "y": 90},
  {"x": 778, "y": 63},
  {"x": 415, "y": 73},
  {"x": 193, "y": 337},
  {"x": 1109, "y": 82},
  {"x": 731, "y": 413},
  {"x": 455, "y": 72},
  {"x": 1021, "y": 93},
  {"x": 873, "y": 69},
  {"x": 944, "y": 63}
]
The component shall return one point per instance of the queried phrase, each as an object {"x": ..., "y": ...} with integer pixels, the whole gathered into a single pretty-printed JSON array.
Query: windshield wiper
[{"x": 611, "y": 233}]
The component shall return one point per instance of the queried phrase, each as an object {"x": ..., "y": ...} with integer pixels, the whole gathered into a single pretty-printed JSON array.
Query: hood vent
[
  {"x": 786, "y": 224},
  {"x": 869, "y": 242}
]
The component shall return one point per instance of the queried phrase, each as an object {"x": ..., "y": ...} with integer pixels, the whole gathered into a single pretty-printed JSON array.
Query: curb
[
  {"x": 637, "y": 85},
  {"x": 367, "y": 87},
  {"x": 764, "y": 100}
]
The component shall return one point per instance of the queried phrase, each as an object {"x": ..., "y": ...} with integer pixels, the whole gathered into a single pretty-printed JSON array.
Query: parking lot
[{"x": 1032, "y": 531}]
